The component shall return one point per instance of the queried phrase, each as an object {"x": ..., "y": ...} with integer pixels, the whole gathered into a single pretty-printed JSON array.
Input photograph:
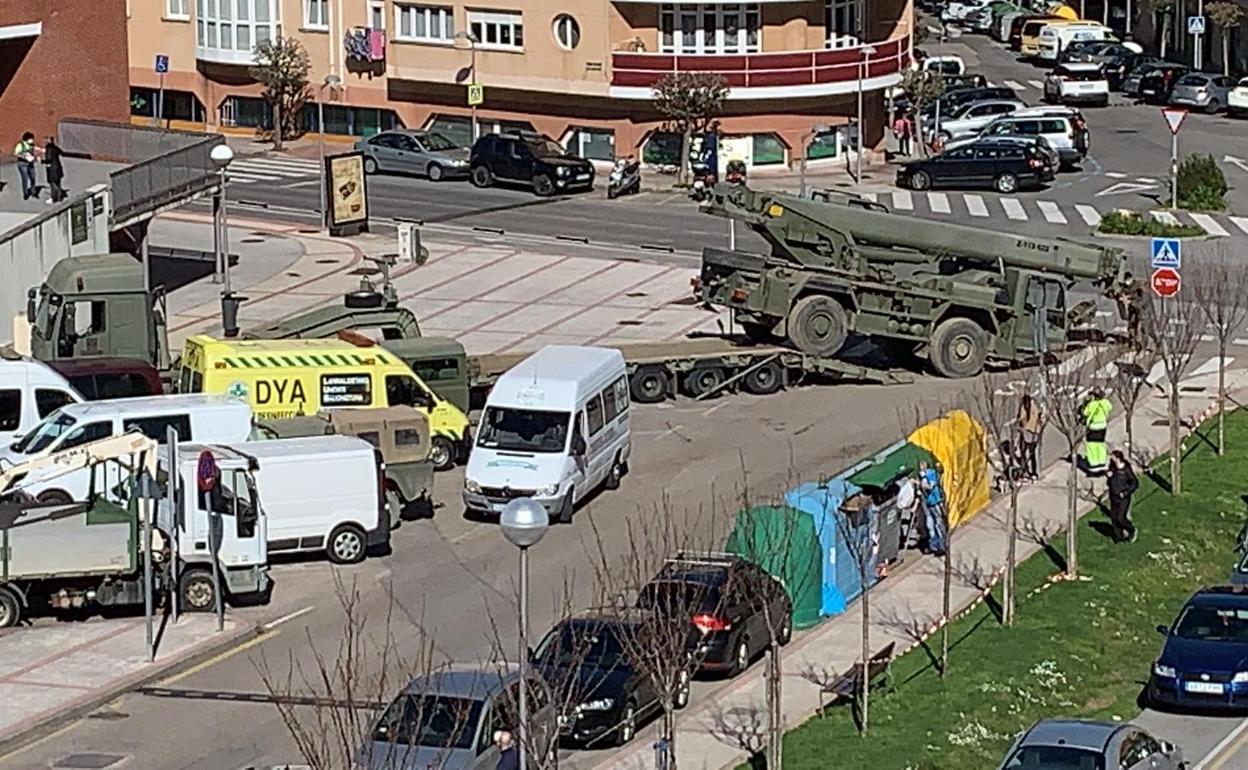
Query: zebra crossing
[
  {"x": 1060, "y": 214},
  {"x": 267, "y": 168}
]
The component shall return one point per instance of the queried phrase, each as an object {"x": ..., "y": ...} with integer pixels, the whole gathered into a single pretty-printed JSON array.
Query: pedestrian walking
[
  {"x": 25, "y": 151},
  {"x": 907, "y": 503},
  {"x": 1096, "y": 419},
  {"x": 1030, "y": 427},
  {"x": 54, "y": 169},
  {"x": 934, "y": 508},
  {"x": 508, "y": 754},
  {"x": 901, "y": 132},
  {"x": 1122, "y": 484}
]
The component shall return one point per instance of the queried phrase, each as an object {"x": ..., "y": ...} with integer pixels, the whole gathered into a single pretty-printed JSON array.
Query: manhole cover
[{"x": 88, "y": 761}]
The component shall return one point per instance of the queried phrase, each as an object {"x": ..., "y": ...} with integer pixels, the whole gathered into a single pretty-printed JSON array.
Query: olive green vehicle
[{"x": 959, "y": 296}]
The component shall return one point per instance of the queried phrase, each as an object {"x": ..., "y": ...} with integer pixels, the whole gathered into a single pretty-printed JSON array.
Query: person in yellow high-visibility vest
[{"x": 1096, "y": 418}]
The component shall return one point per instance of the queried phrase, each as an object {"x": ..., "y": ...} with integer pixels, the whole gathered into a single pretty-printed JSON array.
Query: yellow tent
[
  {"x": 1066, "y": 12},
  {"x": 957, "y": 441}
]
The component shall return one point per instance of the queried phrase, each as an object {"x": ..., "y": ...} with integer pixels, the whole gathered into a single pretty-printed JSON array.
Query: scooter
[
  {"x": 735, "y": 173},
  {"x": 625, "y": 178},
  {"x": 703, "y": 181}
]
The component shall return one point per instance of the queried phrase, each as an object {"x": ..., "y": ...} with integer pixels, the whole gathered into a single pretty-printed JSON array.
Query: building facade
[{"x": 579, "y": 72}]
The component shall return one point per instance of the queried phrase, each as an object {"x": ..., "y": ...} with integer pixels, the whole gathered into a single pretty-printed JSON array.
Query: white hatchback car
[
  {"x": 1237, "y": 99},
  {"x": 1077, "y": 83}
]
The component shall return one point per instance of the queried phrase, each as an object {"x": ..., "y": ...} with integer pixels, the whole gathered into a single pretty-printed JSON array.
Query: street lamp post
[
  {"x": 333, "y": 83},
  {"x": 524, "y": 522},
  {"x": 472, "y": 68},
  {"x": 807, "y": 141},
  {"x": 222, "y": 155},
  {"x": 866, "y": 51}
]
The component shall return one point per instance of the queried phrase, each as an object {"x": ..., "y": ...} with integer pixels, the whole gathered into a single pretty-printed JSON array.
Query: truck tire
[
  {"x": 54, "y": 497},
  {"x": 346, "y": 545},
  {"x": 817, "y": 325},
  {"x": 649, "y": 384},
  {"x": 10, "y": 609},
  {"x": 958, "y": 348},
  {"x": 196, "y": 591},
  {"x": 764, "y": 379},
  {"x": 702, "y": 380},
  {"x": 442, "y": 453}
]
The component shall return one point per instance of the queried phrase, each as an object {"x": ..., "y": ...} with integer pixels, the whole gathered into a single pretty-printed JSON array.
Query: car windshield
[
  {"x": 1213, "y": 624},
  {"x": 523, "y": 430},
  {"x": 576, "y": 643},
  {"x": 1193, "y": 80},
  {"x": 434, "y": 721},
  {"x": 437, "y": 143},
  {"x": 546, "y": 148},
  {"x": 41, "y": 437},
  {"x": 1055, "y": 758}
]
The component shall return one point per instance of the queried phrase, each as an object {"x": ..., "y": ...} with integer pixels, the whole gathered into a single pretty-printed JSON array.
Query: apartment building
[{"x": 580, "y": 72}]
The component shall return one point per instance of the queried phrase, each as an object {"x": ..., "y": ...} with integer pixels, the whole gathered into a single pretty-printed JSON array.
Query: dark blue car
[{"x": 1204, "y": 662}]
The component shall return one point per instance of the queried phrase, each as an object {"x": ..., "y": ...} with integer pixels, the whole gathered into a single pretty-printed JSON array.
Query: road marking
[
  {"x": 236, "y": 176},
  {"x": 975, "y": 206},
  {"x": 1146, "y": 180},
  {"x": 1221, "y": 752},
  {"x": 305, "y": 183},
  {"x": 873, "y": 197},
  {"x": 1017, "y": 86},
  {"x": 902, "y": 201},
  {"x": 288, "y": 617},
  {"x": 1241, "y": 223},
  {"x": 1051, "y": 212},
  {"x": 1115, "y": 175},
  {"x": 1208, "y": 338},
  {"x": 258, "y": 639},
  {"x": 1013, "y": 209},
  {"x": 1036, "y": 84},
  {"x": 1240, "y": 341},
  {"x": 1166, "y": 217},
  {"x": 291, "y": 163},
  {"x": 1209, "y": 367},
  {"x": 1210, "y": 224},
  {"x": 939, "y": 203},
  {"x": 1091, "y": 216}
]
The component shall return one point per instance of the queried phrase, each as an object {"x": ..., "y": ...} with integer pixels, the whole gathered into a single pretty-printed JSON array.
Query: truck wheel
[
  {"x": 196, "y": 591},
  {"x": 958, "y": 348},
  {"x": 817, "y": 325},
  {"x": 648, "y": 385},
  {"x": 442, "y": 453},
  {"x": 614, "y": 475},
  {"x": 347, "y": 545},
  {"x": 765, "y": 379},
  {"x": 702, "y": 380},
  {"x": 54, "y": 497},
  {"x": 10, "y": 609}
]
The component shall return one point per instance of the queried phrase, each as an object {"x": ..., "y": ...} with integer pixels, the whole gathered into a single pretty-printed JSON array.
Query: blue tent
[{"x": 822, "y": 502}]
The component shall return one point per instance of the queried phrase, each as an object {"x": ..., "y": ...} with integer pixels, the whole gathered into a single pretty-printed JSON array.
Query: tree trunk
[
  {"x": 669, "y": 727},
  {"x": 1226, "y": 70},
  {"x": 1072, "y": 519},
  {"x": 1176, "y": 461},
  {"x": 946, "y": 601},
  {"x": 866, "y": 650},
  {"x": 1165, "y": 34},
  {"x": 1222, "y": 395},
  {"x": 686, "y": 139},
  {"x": 1011, "y": 551},
  {"x": 277, "y": 123},
  {"x": 1129, "y": 414}
]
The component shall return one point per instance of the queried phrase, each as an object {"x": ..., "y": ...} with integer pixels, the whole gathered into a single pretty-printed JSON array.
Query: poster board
[{"x": 346, "y": 193}]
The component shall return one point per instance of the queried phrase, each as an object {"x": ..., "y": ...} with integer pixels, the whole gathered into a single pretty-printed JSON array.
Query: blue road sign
[
  {"x": 1167, "y": 252},
  {"x": 162, "y": 64}
]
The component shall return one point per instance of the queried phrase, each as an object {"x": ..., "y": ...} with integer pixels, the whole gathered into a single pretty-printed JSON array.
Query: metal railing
[{"x": 165, "y": 180}]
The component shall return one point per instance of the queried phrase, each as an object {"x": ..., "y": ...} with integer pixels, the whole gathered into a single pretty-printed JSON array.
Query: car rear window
[
  {"x": 1193, "y": 80},
  {"x": 1082, "y": 74},
  {"x": 672, "y": 597}
]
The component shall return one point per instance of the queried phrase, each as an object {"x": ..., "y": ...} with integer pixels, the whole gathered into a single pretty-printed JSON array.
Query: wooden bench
[{"x": 848, "y": 685}]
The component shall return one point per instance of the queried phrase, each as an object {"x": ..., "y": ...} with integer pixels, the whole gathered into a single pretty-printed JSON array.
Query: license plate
[
  {"x": 1206, "y": 688},
  {"x": 582, "y": 177},
  {"x": 497, "y": 507}
]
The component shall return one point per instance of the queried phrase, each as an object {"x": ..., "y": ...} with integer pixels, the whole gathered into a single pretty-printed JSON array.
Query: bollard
[{"x": 229, "y": 313}]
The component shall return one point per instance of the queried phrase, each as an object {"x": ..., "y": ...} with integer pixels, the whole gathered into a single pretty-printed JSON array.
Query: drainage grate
[
  {"x": 635, "y": 294},
  {"x": 253, "y": 240},
  {"x": 629, "y": 322},
  {"x": 88, "y": 761},
  {"x": 1193, "y": 389}
]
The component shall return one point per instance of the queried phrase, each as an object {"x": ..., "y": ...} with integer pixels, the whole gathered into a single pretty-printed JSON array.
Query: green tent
[{"x": 783, "y": 541}]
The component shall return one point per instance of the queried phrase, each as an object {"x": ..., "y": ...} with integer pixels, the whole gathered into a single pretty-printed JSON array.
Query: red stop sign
[{"x": 1166, "y": 282}]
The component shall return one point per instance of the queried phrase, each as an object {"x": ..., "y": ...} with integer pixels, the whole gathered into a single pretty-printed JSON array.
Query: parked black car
[
  {"x": 603, "y": 696},
  {"x": 529, "y": 159},
  {"x": 1004, "y": 166},
  {"x": 1120, "y": 63},
  {"x": 901, "y": 102},
  {"x": 966, "y": 95},
  {"x": 1157, "y": 84},
  {"x": 1083, "y": 50},
  {"x": 729, "y": 601}
]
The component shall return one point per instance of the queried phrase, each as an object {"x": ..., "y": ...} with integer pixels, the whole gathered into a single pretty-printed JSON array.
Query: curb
[{"x": 57, "y": 719}]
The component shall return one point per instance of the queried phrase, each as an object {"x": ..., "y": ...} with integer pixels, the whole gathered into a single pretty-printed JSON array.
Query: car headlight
[
  {"x": 472, "y": 487},
  {"x": 549, "y": 490},
  {"x": 563, "y": 171},
  {"x": 598, "y": 704},
  {"x": 1166, "y": 672},
  {"x": 1240, "y": 677}
]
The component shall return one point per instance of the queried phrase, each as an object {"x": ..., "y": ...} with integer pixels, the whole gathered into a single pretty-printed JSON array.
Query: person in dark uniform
[
  {"x": 54, "y": 169},
  {"x": 1122, "y": 485}
]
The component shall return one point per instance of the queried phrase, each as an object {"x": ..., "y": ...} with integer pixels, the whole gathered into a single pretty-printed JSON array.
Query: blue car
[{"x": 1204, "y": 662}]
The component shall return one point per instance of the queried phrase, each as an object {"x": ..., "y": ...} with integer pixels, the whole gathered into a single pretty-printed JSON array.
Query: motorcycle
[
  {"x": 703, "y": 181},
  {"x": 735, "y": 173},
  {"x": 625, "y": 178}
]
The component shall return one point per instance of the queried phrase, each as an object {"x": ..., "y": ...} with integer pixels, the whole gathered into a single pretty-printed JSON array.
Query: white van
[
  {"x": 321, "y": 493},
  {"x": 197, "y": 417},
  {"x": 555, "y": 427},
  {"x": 29, "y": 391},
  {"x": 1055, "y": 37}
]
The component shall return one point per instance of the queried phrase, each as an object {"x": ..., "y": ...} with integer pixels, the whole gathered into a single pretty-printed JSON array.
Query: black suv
[
  {"x": 529, "y": 159},
  {"x": 729, "y": 600},
  {"x": 1006, "y": 166}
]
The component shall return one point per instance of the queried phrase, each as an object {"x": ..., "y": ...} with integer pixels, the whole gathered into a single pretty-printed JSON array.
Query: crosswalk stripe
[
  {"x": 1115, "y": 175},
  {"x": 1241, "y": 223},
  {"x": 1209, "y": 367},
  {"x": 1017, "y": 86},
  {"x": 285, "y": 169},
  {"x": 1036, "y": 84},
  {"x": 245, "y": 176},
  {"x": 1091, "y": 216},
  {"x": 939, "y": 202},
  {"x": 1013, "y": 209},
  {"x": 873, "y": 197},
  {"x": 1239, "y": 341},
  {"x": 271, "y": 170},
  {"x": 1166, "y": 217},
  {"x": 902, "y": 201},
  {"x": 975, "y": 206},
  {"x": 1209, "y": 223},
  {"x": 298, "y": 163},
  {"x": 1051, "y": 212}
]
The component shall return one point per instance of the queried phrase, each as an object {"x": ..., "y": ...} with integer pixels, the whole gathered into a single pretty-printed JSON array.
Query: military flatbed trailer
[{"x": 704, "y": 366}]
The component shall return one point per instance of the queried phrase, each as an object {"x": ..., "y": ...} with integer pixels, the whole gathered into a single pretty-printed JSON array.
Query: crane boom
[{"x": 114, "y": 448}]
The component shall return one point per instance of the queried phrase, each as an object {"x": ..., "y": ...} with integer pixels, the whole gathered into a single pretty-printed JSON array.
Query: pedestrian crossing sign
[
  {"x": 476, "y": 94},
  {"x": 1167, "y": 252}
]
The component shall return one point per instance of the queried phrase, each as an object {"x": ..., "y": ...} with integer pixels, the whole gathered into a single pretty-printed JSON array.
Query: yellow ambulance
[{"x": 296, "y": 377}]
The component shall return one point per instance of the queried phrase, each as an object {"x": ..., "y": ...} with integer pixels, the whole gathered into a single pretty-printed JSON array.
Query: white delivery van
[
  {"x": 197, "y": 417},
  {"x": 321, "y": 493},
  {"x": 29, "y": 391},
  {"x": 554, "y": 428},
  {"x": 1054, "y": 38}
]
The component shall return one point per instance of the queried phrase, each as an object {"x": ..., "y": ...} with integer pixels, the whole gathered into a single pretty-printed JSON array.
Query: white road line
[
  {"x": 1036, "y": 84},
  {"x": 246, "y": 176},
  {"x": 1115, "y": 175},
  {"x": 1208, "y": 338},
  {"x": 305, "y": 183},
  {"x": 1216, "y": 752},
  {"x": 1013, "y": 209},
  {"x": 288, "y": 617},
  {"x": 1241, "y": 223},
  {"x": 1052, "y": 213},
  {"x": 1146, "y": 180},
  {"x": 902, "y": 201},
  {"x": 873, "y": 197},
  {"x": 1240, "y": 341},
  {"x": 1209, "y": 367},
  {"x": 1166, "y": 217},
  {"x": 1210, "y": 224},
  {"x": 283, "y": 162},
  {"x": 1104, "y": 314},
  {"x": 273, "y": 173},
  {"x": 975, "y": 206},
  {"x": 1017, "y": 86},
  {"x": 938, "y": 202},
  {"x": 1091, "y": 216}
]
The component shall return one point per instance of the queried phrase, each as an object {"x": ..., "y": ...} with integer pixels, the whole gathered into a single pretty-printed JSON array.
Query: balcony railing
[{"x": 765, "y": 75}]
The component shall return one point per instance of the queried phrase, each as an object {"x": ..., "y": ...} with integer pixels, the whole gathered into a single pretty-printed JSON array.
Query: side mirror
[
  {"x": 30, "y": 306},
  {"x": 1163, "y": 630},
  {"x": 1167, "y": 747},
  {"x": 532, "y": 655}
]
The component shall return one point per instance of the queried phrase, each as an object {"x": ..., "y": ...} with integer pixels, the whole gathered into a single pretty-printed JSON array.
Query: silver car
[
  {"x": 1072, "y": 744},
  {"x": 1202, "y": 91},
  {"x": 424, "y": 153}
]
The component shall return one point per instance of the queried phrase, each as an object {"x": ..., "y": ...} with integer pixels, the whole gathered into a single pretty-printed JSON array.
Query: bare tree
[
  {"x": 1065, "y": 384},
  {"x": 1173, "y": 328},
  {"x": 1221, "y": 292},
  {"x": 1128, "y": 385},
  {"x": 691, "y": 102},
  {"x": 858, "y": 526}
]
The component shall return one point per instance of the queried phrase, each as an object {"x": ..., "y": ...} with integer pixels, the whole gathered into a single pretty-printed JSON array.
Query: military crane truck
[{"x": 960, "y": 296}]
